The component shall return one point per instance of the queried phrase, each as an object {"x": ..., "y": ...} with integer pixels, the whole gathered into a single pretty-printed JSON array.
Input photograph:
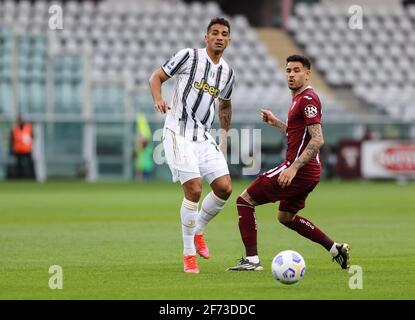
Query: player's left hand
[{"x": 286, "y": 176}]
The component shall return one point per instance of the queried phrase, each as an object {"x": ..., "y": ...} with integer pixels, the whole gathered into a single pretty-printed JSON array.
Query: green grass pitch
[{"x": 123, "y": 241}]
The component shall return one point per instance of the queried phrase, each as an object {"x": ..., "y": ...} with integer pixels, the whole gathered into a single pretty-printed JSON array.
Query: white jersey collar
[
  {"x": 210, "y": 60},
  {"x": 308, "y": 87}
]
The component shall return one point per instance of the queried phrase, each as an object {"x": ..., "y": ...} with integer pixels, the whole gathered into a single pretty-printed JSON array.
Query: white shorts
[{"x": 193, "y": 159}]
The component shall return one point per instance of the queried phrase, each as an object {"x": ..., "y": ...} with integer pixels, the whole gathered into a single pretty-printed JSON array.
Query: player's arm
[
  {"x": 313, "y": 146},
  {"x": 268, "y": 117},
  {"x": 155, "y": 81},
  {"x": 225, "y": 116},
  {"x": 311, "y": 150}
]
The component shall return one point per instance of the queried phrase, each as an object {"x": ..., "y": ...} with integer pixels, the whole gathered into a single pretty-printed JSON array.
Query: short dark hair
[
  {"x": 221, "y": 21},
  {"x": 299, "y": 58}
]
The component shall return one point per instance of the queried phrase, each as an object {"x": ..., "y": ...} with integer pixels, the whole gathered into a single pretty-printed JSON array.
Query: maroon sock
[
  {"x": 247, "y": 226},
  {"x": 310, "y": 231}
]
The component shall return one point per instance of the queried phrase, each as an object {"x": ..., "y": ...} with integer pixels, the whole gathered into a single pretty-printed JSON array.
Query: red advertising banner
[{"x": 388, "y": 159}]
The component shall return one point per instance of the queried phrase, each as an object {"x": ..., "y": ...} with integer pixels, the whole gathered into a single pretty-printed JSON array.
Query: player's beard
[
  {"x": 294, "y": 87},
  {"x": 219, "y": 50}
]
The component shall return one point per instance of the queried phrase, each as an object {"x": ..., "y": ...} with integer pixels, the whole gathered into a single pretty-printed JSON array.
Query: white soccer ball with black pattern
[{"x": 288, "y": 267}]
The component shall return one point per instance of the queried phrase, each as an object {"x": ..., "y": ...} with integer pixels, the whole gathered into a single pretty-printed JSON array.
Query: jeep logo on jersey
[
  {"x": 202, "y": 85},
  {"x": 310, "y": 111}
]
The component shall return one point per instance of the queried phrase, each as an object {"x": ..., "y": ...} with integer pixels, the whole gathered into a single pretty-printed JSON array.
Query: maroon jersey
[{"x": 305, "y": 110}]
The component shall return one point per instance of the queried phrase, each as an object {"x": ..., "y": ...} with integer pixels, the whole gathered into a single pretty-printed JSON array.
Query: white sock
[
  {"x": 211, "y": 206},
  {"x": 188, "y": 212},
  {"x": 333, "y": 251},
  {"x": 253, "y": 259}
]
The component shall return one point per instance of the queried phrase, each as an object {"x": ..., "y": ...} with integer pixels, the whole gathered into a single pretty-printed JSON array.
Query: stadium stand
[
  {"x": 375, "y": 62},
  {"x": 107, "y": 50},
  {"x": 86, "y": 82}
]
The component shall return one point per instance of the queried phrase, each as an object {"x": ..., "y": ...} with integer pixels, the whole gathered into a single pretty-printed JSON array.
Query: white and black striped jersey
[{"x": 199, "y": 84}]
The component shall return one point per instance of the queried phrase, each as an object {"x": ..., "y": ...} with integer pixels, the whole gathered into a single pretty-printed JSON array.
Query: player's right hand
[
  {"x": 161, "y": 106},
  {"x": 268, "y": 117}
]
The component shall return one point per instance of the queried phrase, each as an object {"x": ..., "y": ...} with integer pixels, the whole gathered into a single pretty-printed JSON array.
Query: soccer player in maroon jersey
[{"x": 291, "y": 181}]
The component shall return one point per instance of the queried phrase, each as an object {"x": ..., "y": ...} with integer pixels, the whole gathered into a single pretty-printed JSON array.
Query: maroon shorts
[{"x": 265, "y": 189}]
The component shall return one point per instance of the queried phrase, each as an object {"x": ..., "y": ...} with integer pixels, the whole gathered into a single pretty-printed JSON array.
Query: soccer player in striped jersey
[
  {"x": 291, "y": 181},
  {"x": 204, "y": 81}
]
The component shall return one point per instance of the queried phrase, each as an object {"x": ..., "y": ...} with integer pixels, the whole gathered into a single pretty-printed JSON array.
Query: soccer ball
[{"x": 288, "y": 267}]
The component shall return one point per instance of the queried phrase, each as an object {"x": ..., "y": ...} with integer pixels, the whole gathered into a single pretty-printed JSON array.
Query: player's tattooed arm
[
  {"x": 225, "y": 116},
  {"x": 268, "y": 117},
  {"x": 281, "y": 126},
  {"x": 313, "y": 146}
]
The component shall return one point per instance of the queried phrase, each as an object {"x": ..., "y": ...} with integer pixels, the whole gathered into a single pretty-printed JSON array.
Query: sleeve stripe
[
  {"x": 183, "y": 61},
  {"x": 229, "y": 85},
  {"x": 230, "y": 77},
  {"x": 228, "y": 96},
  {"x": 183, "y": 119}
]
